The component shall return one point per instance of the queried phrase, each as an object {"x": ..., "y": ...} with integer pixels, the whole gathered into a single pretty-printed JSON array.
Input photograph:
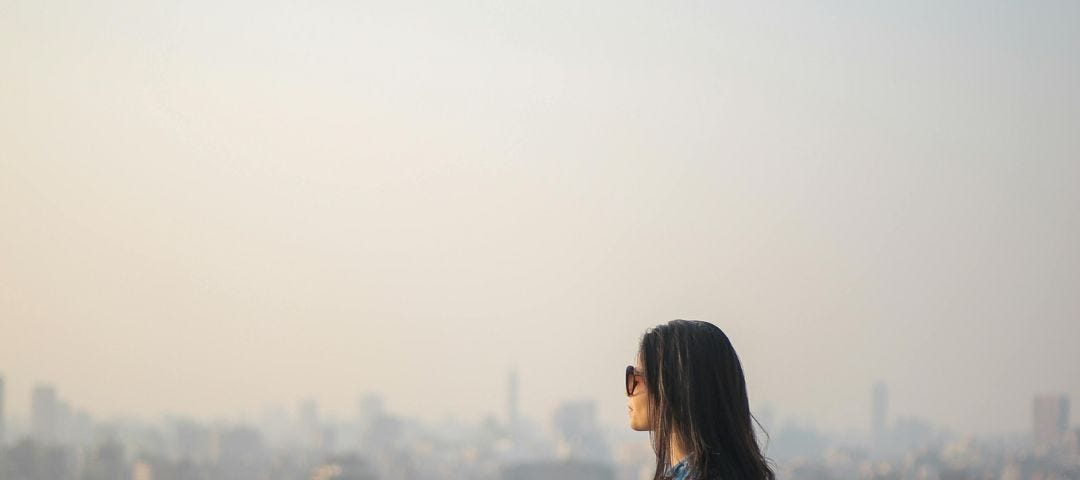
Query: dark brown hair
[{"x": 698, "y": 393}]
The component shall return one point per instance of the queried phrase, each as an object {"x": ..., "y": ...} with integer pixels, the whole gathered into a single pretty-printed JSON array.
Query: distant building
[
  {"x": 43, "y": 408},
  {"x": 798, "y": 441},
  {"x": 1072, "y": 442},
  {"x": 512, "y": 420},
  {"x": 193, "y": 442},
  {"x": 240, "y": 451},
  {"x": 879, "y": 411},
  {"x": 1050, "y": 420},
  {"x": 371, "y": 409},
  {"x": 106, "y": 461},
  {"x": 308, "y": 413},
  {"x": 548, "y": 470},
  {"x": 378, "y": 430},
  {"x": 62, "y": 425},
  {"x": 579, "y": 433},
  {"x": 2, "y": 431}
]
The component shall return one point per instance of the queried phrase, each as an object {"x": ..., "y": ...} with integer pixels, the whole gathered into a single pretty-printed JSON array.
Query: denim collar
[{"x": 681, "y": 470}]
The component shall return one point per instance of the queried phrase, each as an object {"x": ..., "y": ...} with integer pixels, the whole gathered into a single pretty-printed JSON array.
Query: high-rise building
[
  {"x": 43, "y": 421},
  {"x": 62, "y": 427},
  {"x": 879, "y": 411},
  {"x": 2, "y": 432},
  {"x": 1050, "y": 415},
  {"x": 310, "y": 426},
  {"x": 512, "y": 403}
]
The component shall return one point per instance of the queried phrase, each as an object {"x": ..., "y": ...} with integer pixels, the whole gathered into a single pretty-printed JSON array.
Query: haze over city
[{"x": 210, "y": 210}]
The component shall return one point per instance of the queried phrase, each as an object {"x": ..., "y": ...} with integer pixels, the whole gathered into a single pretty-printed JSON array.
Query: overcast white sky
[{"x": 208, "y": 209}]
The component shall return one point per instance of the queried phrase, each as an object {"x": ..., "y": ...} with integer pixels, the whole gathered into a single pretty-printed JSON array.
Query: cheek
[{"x": 640, "y": 416}]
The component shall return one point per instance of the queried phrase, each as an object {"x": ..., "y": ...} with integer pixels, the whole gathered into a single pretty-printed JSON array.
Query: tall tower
[
  {"x": 1050, "y": 419},
  {"x": 512, "y": 403},
  {"x": 879, "y": 410},
  {"x": 1, "y": 410}
]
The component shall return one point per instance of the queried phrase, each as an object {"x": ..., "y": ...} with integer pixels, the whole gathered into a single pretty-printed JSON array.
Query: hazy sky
[{"x": 212, "y": 208}]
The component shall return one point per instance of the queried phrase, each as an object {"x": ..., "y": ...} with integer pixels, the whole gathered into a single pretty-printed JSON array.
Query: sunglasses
[{"x": 631, "y": 379}]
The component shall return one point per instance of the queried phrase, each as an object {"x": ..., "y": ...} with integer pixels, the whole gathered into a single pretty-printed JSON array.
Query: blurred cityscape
[{"x": 60, "y": 441}]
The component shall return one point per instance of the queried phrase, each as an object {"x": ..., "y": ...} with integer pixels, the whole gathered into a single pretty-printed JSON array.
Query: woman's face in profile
[{"x": 638, "y": 403}]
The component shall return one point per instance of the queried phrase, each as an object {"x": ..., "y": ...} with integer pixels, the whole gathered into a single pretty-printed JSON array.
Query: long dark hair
[{"x": 697, "y": 392}]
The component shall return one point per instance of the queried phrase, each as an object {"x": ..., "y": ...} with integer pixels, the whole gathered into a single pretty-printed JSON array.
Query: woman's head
[{"x": 691, "y": 391}]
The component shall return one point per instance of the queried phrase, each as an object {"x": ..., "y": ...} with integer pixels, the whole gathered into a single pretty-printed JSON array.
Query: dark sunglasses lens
[{"x": 630, "y": 384}]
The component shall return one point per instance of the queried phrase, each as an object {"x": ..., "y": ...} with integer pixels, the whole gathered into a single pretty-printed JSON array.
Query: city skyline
[{"x": 1051, "y": 414}]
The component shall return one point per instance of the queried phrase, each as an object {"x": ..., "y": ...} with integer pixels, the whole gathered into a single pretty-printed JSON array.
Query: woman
[{"x": 688, "y": 391}]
